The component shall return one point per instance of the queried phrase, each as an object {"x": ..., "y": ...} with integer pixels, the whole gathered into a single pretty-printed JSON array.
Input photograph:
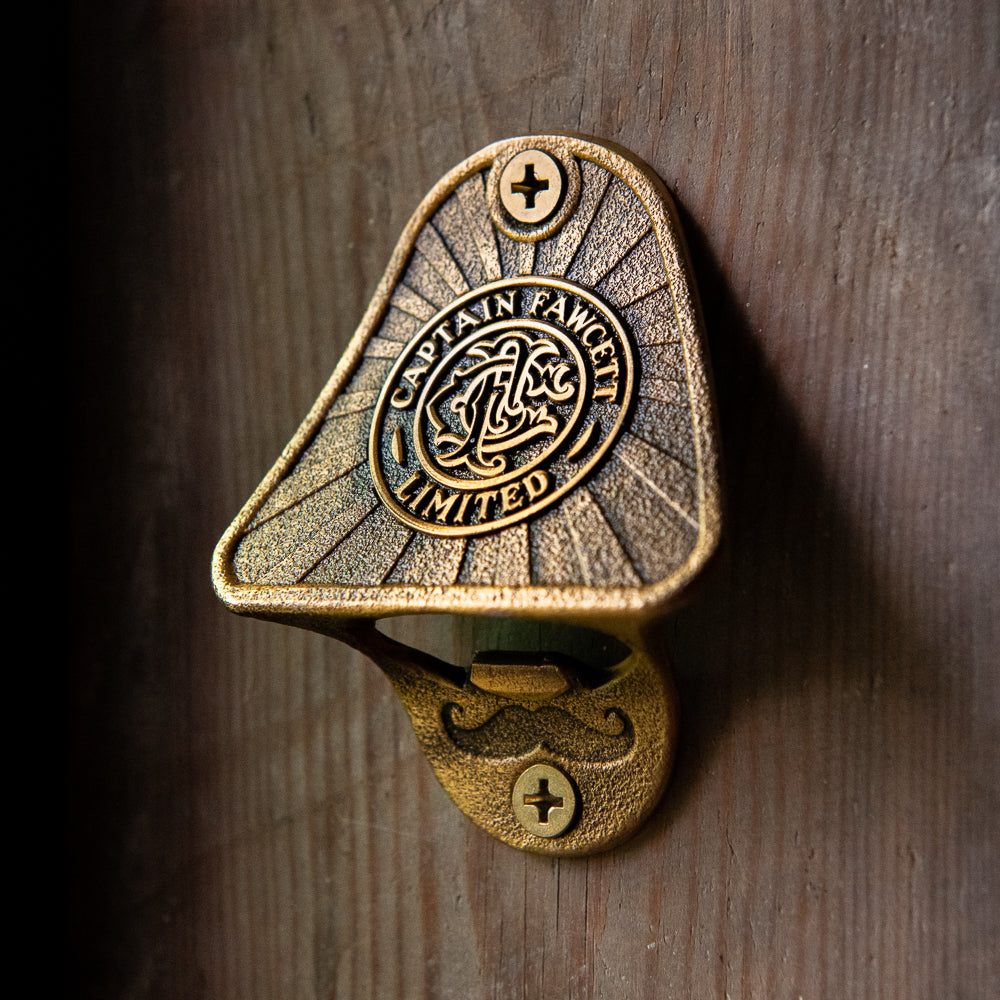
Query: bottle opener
[{"x": 520, "y": 431}]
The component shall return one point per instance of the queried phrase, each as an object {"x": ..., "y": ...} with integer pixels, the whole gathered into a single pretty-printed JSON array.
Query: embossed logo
[{"x": 500, "y": 405}]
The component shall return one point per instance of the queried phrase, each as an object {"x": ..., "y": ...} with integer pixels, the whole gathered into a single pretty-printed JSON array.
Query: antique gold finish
[
  {"x": 610, "y": 729},
  {"x": 522, "y": 426}
]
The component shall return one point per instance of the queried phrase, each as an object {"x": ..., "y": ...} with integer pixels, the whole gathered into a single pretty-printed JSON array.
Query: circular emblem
[{"x": 500, "y": 405}]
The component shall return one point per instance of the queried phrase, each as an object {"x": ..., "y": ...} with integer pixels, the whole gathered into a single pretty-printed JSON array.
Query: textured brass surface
[
  {"x": 527, "y": 679},
  {"x": 522, "y": 425},
  {"x": 519, "y": 167}
]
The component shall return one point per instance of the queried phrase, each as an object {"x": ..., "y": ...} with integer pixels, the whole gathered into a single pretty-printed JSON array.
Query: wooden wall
[{"x": 250, "y": 815}]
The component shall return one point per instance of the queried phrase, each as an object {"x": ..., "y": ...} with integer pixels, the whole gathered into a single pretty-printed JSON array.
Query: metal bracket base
[{"x": 539, "y": 750}]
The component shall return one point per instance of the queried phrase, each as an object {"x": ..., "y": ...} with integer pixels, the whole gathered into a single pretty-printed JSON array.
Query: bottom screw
[{"x": 544, "y": 800}]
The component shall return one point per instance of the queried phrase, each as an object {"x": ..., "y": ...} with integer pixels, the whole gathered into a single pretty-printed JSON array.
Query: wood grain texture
[{"x": 251, "y": 815}]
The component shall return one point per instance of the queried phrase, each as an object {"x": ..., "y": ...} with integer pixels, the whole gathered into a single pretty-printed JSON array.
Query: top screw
[{"x": 531, "y": 186}]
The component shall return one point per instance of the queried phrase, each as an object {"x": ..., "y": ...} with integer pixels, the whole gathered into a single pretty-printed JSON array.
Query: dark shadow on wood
[{"x": 792, "y": 596}]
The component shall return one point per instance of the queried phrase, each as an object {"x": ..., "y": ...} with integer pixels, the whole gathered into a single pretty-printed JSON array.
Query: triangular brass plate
[{"x": 589, "y": 491}]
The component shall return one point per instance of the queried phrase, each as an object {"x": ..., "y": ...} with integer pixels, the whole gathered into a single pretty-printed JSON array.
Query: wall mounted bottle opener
[{"x": 522, "y": 427}]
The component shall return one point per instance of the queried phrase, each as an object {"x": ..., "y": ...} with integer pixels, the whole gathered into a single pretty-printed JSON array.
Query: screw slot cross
[
  {"x": 529, "y": 186},
  {"x": 543, "y": 800}
]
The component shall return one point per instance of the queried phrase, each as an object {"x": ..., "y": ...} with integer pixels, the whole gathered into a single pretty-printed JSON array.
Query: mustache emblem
[{"x": 515, "y": 731}]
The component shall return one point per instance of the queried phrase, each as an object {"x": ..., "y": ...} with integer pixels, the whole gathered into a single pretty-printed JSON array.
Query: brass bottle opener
[{"x": 522, "y": 426}]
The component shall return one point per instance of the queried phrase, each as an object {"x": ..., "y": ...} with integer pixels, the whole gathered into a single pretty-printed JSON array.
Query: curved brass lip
[{"x": 554, "y": 602}]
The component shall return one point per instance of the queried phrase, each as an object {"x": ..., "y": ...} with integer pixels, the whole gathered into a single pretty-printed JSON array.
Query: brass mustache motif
[{"x": 516, "y": 731}]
